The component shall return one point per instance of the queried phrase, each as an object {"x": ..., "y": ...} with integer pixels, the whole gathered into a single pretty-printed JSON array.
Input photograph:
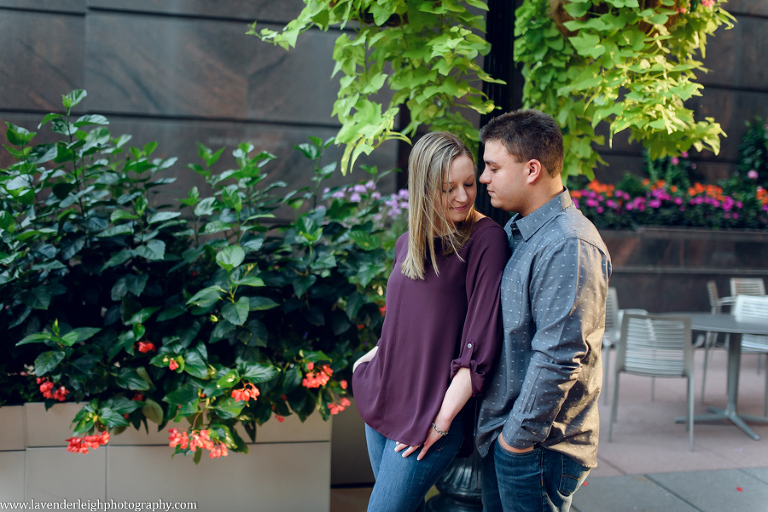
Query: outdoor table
[{"x": 727, "y": 323}]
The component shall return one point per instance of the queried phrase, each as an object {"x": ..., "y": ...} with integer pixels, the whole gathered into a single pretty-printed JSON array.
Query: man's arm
[{"x": 568, "y": 289}]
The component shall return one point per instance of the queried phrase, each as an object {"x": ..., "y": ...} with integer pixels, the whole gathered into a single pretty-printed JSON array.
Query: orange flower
[
  {"x": 172, "y": 364},
  {"x": 46, "y": 386},
  {"x": 178, "y": 439},
  {"x": 337, "y": 408},
  {"x": 146, "y": 346},
  {"x": 247, "y": 392},
  {"x": 84, "y": 443},
  {"x": 316, "y": 379},
  {"x": 219, "y": 450}
]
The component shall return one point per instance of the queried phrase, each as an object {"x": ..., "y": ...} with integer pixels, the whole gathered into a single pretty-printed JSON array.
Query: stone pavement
[{"x": 648, "y": 468}]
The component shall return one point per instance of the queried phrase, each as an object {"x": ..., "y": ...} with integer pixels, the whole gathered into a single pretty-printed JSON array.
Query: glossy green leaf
[
  {"x": 47, "y": 361},
  {"x": 236, "y": 313},
  {"x": 230, "y": 257}
]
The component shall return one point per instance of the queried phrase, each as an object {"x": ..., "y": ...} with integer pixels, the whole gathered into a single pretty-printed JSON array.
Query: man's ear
[{"x": 535, "y": 170}]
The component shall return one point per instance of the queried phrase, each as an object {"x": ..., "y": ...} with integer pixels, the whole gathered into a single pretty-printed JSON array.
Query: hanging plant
[
  {"x": 425, "y": 52},
  {"x": 629, "y": 64}
]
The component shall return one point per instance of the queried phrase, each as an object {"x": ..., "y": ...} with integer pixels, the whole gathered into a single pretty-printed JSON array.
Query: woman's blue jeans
[
  {"x": 537, "y": 481},
  {"x": 402, "y": 483}
]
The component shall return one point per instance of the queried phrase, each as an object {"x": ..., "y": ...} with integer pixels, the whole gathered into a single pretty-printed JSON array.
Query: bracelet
[{"x": 441, "y": 432}]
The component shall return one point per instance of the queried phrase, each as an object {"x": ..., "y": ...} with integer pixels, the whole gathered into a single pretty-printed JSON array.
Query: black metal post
[{"x": 500, "y": 26}]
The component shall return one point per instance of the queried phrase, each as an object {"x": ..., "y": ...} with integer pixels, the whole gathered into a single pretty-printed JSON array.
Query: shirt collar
[{"x": 532, "y": 222}]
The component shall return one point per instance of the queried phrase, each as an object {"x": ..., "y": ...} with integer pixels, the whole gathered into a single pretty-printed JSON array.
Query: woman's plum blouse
[{"x": 433, "y": 327}]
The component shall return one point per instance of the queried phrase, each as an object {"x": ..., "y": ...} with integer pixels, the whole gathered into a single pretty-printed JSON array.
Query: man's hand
[{"x": 512, "y": 449}]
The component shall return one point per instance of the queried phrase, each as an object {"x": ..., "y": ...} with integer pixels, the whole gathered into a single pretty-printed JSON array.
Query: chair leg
[
  {"x": 653, "y": 388},
  {"x": 606, "y": 372},
  {"x": 614, "y": 405},
  {"x": 709, "y": 341},
  {"x": 765, "y": 395},
  {"x": 690, "y": 411}
]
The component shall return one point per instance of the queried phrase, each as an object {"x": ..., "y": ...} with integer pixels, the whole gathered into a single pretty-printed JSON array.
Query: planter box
[
  {"x": 288, "y": 468},
  {"x": 666, "y": 269},
  {"x": 349, "y": 452},
  {"x": 12, "y": 452}
]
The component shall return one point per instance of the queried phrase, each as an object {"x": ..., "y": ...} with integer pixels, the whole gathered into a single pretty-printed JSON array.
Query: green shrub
[{"x": 171, "y": 312}]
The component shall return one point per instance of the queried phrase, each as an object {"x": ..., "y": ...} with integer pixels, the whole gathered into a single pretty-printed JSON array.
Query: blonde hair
[{"x": 429, "y": 165}]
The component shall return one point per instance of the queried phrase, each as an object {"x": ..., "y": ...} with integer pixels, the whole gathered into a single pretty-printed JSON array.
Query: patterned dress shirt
[{"x": 545, "y": 389}]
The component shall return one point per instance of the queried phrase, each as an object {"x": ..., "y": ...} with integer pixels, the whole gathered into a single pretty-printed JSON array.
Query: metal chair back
[
  {"x": 658, "y": 346},
  {"x": 654, "y": 346},
  {"x": 754, "y": 308},
  {"x": 747, "y": 286}
]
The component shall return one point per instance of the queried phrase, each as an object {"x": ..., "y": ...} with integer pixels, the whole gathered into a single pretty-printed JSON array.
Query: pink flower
[
  {"x": 172, "y": 364},
  {"x": 684, "y": 154},
  {"x": 752, "y": 174},
  {"x": 675, "y": 160}
]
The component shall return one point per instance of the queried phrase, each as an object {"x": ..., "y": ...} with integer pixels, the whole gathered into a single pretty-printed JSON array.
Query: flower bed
[{"x": 661, "y": 204}]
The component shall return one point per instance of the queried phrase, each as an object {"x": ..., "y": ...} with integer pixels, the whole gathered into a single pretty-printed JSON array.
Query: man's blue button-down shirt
[{"x": 545, "y": 388}]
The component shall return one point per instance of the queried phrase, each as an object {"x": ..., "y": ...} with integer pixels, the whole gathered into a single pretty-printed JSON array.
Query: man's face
[{"x": 505, "y": 178}]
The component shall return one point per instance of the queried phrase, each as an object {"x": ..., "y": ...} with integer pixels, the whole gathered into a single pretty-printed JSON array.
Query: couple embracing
[{"x": 512, "y": 316}]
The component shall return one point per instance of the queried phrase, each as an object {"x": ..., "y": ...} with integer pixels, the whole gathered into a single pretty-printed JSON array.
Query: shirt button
[{"x": 469, "y": 345}]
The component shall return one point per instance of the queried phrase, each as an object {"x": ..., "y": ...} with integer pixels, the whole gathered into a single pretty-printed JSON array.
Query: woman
[{"x": 442, "y": 329}]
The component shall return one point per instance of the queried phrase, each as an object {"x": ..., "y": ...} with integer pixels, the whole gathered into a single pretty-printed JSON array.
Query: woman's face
[{"x": 460, "y": 190}]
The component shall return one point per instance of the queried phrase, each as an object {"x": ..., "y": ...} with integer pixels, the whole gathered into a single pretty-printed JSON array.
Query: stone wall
[
  {"x": 177, "y": 72},
  {"x": 667, "y": 269},
  {"x": 735, "y": 91}
]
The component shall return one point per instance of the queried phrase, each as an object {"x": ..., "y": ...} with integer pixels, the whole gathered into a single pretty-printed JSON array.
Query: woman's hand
[
  {"x": 365, "y": 357},
  {"x": 432, "y": 437}
]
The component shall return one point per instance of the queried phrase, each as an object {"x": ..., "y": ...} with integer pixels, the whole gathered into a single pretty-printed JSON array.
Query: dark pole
[{"x": 500, "y": 26}]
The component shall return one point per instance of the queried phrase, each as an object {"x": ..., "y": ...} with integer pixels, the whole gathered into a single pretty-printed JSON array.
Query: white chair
[
  {"x": 654, "y": 346},
  {"x": 747, "y": 286},
  {"x": 754, "y": 286},
  {"x": 611, "y": 335},
  {"x": 752, "y": 307}
]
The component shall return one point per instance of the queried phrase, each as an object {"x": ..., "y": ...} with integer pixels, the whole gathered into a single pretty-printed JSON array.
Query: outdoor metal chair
[
  {"x": 753, "y": 286},
  {"x": 753, "y": 307},
  {"x": 654, "y": 346},
  {"x": 747, "y": 286},
  {"x": 611, "y": 335}
]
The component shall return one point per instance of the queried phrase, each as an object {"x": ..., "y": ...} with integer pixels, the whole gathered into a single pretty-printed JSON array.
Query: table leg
[{"x": 730, "y": 413}]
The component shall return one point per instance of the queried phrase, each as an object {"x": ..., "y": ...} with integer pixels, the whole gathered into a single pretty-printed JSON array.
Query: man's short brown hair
[{"x": 528, "y": 134}]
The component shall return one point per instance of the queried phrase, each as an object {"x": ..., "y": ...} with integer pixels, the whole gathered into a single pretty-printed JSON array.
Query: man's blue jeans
[
  {"x": 537, "y": 481},
  {"x": 402, "y": 483}
]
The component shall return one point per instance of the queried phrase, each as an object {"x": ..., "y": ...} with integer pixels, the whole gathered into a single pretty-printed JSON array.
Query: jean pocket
[
  {"x": 572, "y": 476},
  {"x": 508, "y": 453}
]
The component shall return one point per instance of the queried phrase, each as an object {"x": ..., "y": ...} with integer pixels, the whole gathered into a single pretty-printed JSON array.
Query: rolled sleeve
[{"x": 482, "y": 333}]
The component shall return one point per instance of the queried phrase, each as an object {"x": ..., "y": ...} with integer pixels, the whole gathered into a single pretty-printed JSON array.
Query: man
[{"x": 538, "y": 421}]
